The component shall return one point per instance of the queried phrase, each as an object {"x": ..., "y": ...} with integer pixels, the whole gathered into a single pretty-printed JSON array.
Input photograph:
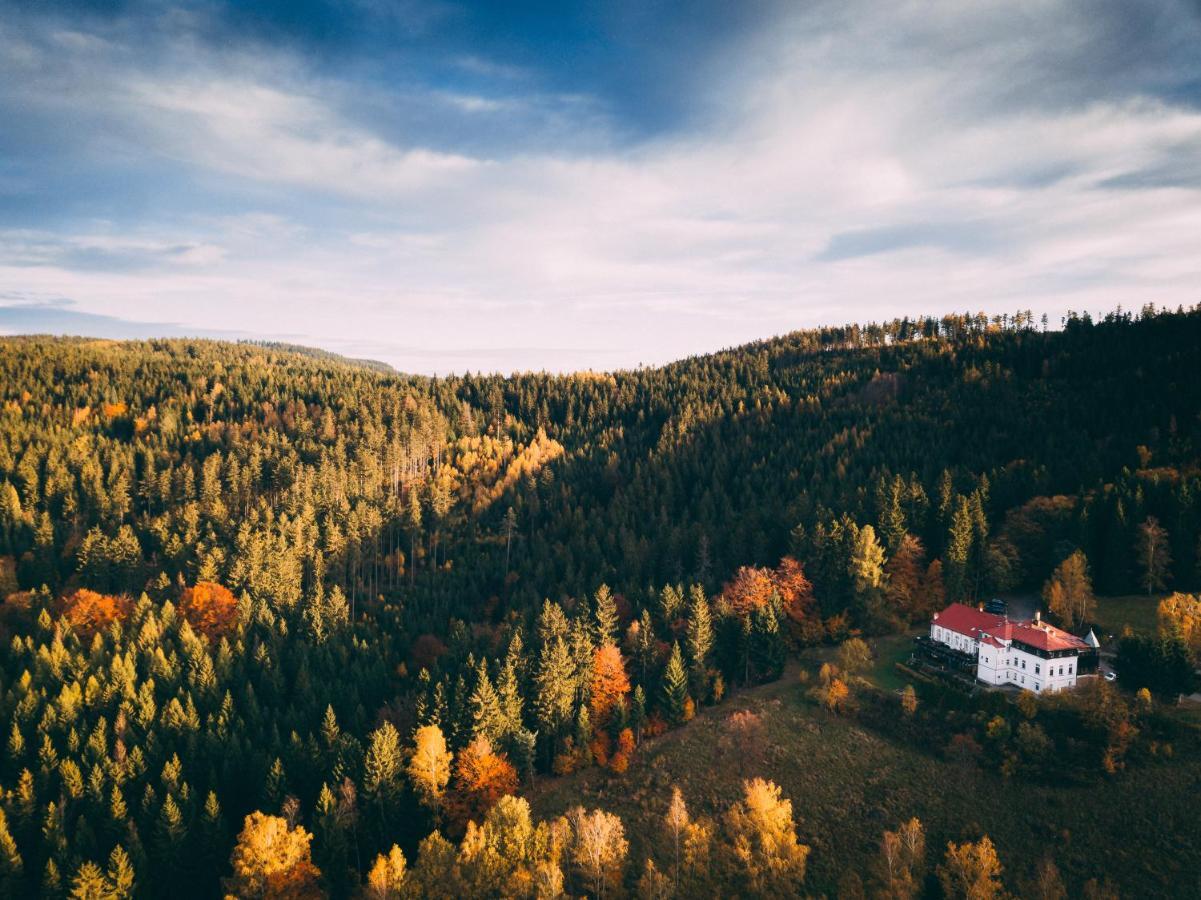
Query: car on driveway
[{"x": 1111, "y": 676}]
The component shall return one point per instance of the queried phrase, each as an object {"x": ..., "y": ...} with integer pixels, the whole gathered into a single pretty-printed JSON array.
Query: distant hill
[{"x": 325, "y": 355}]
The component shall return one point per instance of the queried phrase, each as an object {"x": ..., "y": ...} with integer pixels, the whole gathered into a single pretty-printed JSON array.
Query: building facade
[{"x": 1032, "y": 655}]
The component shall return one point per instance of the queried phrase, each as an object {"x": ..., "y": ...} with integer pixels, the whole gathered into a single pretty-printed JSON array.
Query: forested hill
[{"x": 240, "y": 576}]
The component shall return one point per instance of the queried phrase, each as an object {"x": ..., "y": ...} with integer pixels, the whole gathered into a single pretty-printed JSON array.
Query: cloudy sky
[{"x": 448, "y": 186}]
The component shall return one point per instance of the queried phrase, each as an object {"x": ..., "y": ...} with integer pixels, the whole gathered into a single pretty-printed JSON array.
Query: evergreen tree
[{"x": 675, "y": 688}]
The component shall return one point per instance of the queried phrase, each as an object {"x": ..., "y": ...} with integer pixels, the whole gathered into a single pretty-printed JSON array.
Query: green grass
[
  {"x": 887, "y": 651},
  {"x": 1138, "y": 611},
  {"x": 848, "y": 784}
]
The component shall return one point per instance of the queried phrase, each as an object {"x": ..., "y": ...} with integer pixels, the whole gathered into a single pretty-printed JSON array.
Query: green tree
[
  {"x": 699, "y": 639},
  {"x": 676, "y": 701}
]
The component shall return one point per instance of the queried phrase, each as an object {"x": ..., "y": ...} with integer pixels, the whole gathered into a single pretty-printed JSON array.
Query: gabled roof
[{"x": 977, "y": 624}]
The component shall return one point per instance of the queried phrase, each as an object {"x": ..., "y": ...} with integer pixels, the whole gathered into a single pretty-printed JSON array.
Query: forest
[{"x": 283, "y": 624}]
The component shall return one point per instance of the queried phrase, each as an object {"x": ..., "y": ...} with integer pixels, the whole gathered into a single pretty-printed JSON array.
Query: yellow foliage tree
[
  {"x": 429, "y": 766},
  {"x": 764, "y": 841},
  {"x": 1180, "y": 614},
  {"x": 271, "y": 861},
  {"x": 971, "y": 871},
  {"x": 387, "y": 875}
]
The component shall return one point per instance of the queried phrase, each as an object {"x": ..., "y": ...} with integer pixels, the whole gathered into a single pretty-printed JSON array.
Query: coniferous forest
[{"x": 282, "y": 624}]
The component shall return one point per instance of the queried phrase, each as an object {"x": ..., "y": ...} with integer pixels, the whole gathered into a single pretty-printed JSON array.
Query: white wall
[{"x": 1010, "y": 665}]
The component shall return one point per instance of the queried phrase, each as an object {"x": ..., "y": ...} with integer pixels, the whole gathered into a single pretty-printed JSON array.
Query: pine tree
[
  {"x": 890, "y": 497},
  {"x": 12, "y": 866},
  {"x": 605, "y": 612},
  {"x": 487, "y": 715},
  {"x": 959, "y": 550},
  {"x": 638, "y": 712},
  {"x": 699, "y": 639},
  {"x": 555, "y": 697},
  {"x": 275, "y": 788},
  {"x": 675, "y": 688},
  {"x": 671, "y": 602},
  {"x": 121, "y": 876},
  {"x": 381, "y": 770}
]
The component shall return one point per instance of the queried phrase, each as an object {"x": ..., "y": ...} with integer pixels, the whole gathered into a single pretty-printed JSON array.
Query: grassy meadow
[{"x": 848, "y": 784}]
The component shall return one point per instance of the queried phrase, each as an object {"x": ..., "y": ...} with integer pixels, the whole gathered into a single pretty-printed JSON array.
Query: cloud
[{"x": 850, "y": 161}]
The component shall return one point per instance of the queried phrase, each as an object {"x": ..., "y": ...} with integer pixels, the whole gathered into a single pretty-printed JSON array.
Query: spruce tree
[
  {"x": 675, "y": 687},
  {"x": 699, "y": 639}
]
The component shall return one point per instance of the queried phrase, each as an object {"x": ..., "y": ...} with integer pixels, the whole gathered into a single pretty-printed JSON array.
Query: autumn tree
[
  {"x": 763, "y": 840},
  {"x": 610, "y": 684},
  {"x": 1047, "y": 883},
  {"x": 1068, "y": 593},
  {"x": 854, "y": 656},
  {"x": 598, "y": 848},
  {"x": 902, "y": 861},
  {"x": 209, "y": 608},
  {"x": 677, "y": 821},
  {"x": 1180, "y": 615},
  {"x": 90, "y": 612},
  {"x": 971, "y": 871},
  {"x": 429, "y": 765},
  {"x": 904, "y": 580},
  {"x": 385, "y": 880},
  {"x": 481, "y": 777},
  {"x": 271, "y": 861},
  {"x": 1154, "y": 555}
]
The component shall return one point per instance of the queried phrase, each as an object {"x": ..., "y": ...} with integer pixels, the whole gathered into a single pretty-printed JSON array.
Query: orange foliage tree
[
  {"x": 752, "y": 587},
  {"x": 209, "y": 608},
  {"x": 481, "y": 777},
  {"x": 610, "y": 684},
  {"x": 90, "y": 612}
]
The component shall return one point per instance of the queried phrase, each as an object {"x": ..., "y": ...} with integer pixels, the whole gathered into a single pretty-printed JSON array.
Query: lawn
[
  {"x": 848, "y": 784},
  {"x": 1135, "y": 610}
]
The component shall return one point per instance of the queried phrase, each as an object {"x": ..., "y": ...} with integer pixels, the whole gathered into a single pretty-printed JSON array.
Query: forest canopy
[{"x": 256, "y": 598}]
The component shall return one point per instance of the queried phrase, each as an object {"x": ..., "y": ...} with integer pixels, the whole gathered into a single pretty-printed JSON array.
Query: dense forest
[{"x": 284, "y": 624}]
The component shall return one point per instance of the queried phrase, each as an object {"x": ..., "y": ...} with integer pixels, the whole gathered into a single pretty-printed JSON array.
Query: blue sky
[{"x": 451, "y": 186}]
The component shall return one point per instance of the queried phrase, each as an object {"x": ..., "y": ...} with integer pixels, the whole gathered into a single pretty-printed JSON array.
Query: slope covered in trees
[{"x": 243, "y": 579}]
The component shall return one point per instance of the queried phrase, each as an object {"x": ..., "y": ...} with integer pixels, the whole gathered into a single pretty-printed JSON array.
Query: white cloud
[{"x": 886, "y": 128}]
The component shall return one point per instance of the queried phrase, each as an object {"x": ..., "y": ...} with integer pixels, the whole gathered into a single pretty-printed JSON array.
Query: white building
[{"x": 1032, "y": 655}]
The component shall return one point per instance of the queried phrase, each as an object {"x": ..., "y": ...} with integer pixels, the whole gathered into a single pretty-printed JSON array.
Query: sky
[{"x": 451, "y": 186}]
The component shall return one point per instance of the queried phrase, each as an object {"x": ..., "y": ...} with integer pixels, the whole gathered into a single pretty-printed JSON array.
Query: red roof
[{"x": 972, "y": 622}]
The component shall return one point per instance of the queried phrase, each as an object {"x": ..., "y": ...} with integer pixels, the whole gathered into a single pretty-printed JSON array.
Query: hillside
[
  {"x": 849, "y": 783},
  {"x": 243, "y": 579}
]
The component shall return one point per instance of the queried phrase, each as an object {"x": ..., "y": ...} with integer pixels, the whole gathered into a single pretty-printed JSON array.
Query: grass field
[
  {"x": 847, "y": 785},
  {"x": 1136, "y": 610}
]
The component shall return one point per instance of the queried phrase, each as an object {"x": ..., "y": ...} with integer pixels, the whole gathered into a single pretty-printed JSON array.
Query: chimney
[{"x": 1038, "y": 617}]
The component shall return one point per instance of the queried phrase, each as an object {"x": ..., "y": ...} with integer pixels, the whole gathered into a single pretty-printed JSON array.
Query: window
[
  {"x": 1069, "y": 668},
  {"x": 1036, "y": 669}
]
